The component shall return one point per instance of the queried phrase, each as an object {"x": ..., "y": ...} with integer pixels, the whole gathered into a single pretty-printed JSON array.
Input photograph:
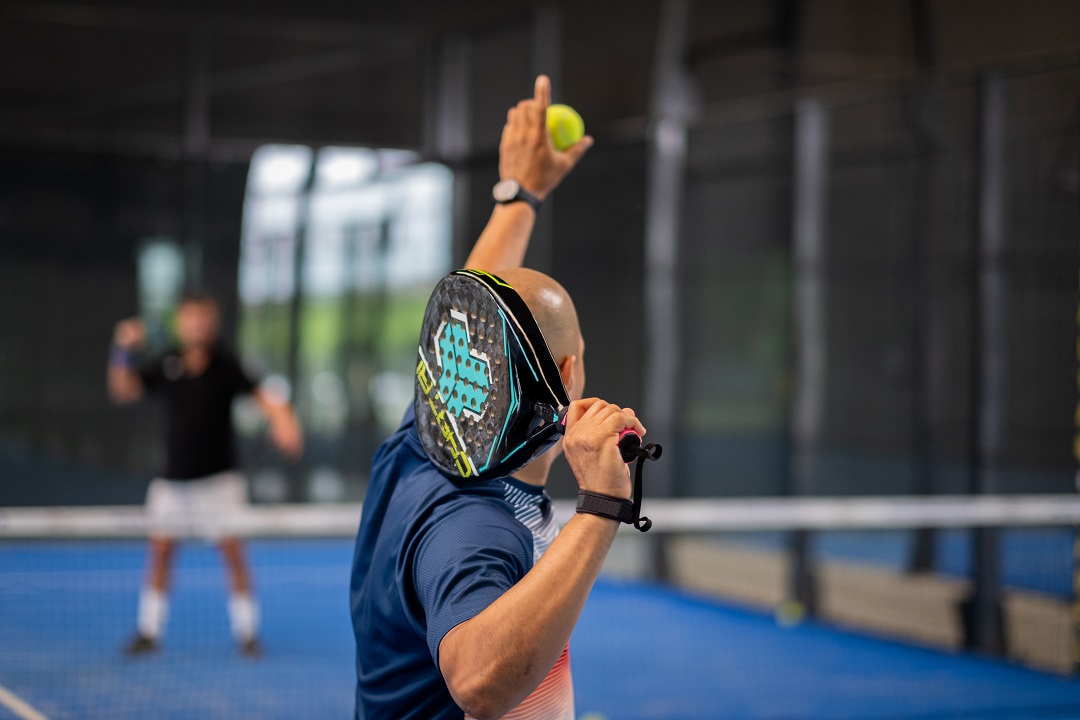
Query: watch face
[{"x": 505, "y": 190}]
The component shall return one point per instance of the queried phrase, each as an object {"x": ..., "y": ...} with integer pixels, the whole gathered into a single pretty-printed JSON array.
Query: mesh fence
[
  {"x": 718, "y": 634},
  {"x": 910, "y": 171}
]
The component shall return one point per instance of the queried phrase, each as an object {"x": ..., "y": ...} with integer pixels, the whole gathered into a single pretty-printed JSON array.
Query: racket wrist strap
[
  {"x": 606, "y": 506},
  {"x": 620, "y": 509}
]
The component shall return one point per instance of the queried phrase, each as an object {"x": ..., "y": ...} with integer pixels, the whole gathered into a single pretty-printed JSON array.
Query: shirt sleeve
[
  {"x": 151, "y": 374},
  {"x": 241, "y": 382},
  {"x": 470, "y": 554}
]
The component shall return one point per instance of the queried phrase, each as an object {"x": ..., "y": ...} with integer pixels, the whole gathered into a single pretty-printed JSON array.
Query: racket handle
[{"x": 629, "y": 441}]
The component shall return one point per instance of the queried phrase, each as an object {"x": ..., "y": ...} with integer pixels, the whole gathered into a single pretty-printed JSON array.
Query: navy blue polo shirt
[{"x": 431, "y": 553}]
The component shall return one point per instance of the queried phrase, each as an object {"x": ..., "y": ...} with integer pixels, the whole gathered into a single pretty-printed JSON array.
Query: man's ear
[{"x": 566, "y": 370}]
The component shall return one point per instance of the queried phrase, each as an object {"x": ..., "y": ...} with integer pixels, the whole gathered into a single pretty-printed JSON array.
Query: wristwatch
[{"x": 510, "y": 190}]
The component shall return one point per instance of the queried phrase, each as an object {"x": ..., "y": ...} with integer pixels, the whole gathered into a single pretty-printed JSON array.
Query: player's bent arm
[
  {"x": 125, "y": 386},
  {"x": 495, "y": 660},
  {"x": 284, "y": 426}
]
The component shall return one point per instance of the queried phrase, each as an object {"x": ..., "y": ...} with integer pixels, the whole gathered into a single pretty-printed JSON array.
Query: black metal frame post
[
  {"x": 809, "y": 242},
  {"x": 1076, "y": 540},
  {"x": 293, "y": 365},
  {"x": 672, "y": 105},
  {"x": 925, "y": 118},
  {"x": 982, "y": 613},
  {"x": 196, "y": 142}
]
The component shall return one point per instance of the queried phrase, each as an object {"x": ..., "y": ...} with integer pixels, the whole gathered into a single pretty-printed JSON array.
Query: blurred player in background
[{"x": 196, "y": 382}]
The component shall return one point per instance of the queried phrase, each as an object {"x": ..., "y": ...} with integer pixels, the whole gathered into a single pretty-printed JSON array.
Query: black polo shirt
[{"x": 198, "y": 411}]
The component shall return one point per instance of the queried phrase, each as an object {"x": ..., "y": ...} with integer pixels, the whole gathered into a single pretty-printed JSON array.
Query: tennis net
[{"x": 757, "y": 608}]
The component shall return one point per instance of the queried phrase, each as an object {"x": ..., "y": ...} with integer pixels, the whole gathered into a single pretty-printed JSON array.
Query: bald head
[{"x": 552, "y": 308}]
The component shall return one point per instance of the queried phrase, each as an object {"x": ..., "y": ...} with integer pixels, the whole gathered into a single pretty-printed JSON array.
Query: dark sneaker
[
  {"x": 251, "y": 648},
  {"x": 141, "y": 645}
]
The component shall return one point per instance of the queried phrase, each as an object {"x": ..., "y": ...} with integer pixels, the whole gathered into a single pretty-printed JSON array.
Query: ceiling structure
[
  {"x": 221, "y": 77},
  {"x": 216, "y": 79}
]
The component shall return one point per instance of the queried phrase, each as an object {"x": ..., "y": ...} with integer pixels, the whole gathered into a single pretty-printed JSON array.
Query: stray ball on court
[
  {"x": 565, "y": 126},
  {"x": 790, "y": 613}
]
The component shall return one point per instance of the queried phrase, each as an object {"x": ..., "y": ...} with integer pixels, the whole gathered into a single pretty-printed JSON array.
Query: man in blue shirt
[{"x": 464, "y": 594}]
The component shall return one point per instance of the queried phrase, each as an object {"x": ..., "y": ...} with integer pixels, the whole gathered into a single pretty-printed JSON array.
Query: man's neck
[
  {"x": 196, "y": 359},
  {"x": 536, "y": 472}
]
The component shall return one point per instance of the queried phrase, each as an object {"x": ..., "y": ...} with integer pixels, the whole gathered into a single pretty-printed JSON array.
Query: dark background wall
[{"x": 121, "y": 122}]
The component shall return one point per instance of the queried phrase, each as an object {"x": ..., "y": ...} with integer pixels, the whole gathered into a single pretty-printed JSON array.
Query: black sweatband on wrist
[
  {"x": 606, "y": 506},
  {"x": 122, "y": 357},
  {"x": 625, "y": 511}
]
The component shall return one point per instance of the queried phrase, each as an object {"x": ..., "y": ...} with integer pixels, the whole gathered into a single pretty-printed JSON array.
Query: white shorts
[{"x": 199, "y": 508}]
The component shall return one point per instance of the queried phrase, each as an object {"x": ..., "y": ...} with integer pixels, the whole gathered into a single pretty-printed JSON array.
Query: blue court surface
[{"x": 639, "y": 651}]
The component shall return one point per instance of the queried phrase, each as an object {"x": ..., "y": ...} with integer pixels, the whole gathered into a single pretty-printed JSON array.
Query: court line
[{"x": 21, "y": 708}]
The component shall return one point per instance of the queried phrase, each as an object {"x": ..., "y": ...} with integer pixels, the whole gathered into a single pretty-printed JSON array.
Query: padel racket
[{"x": 489, "y": 396}]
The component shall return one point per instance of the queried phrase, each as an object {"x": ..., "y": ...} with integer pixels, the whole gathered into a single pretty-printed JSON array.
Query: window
[{"x": 340, "y": 250}]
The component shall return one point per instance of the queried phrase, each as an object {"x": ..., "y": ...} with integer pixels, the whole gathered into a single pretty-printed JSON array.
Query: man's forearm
[
  {"x": 493, "y": 661},
  {"x": 505, "y": 238},
  {"x": 284, "y": 425},
  {"x": 275, "y": 411},
  {"x": 526, "y": 155},
  {"x": 125, "y": 386}
]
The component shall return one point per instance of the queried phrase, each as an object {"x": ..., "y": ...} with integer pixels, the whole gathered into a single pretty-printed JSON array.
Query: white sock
[
  {"x": 153, "y": 611},
  {"x": 243, "y": 616}
]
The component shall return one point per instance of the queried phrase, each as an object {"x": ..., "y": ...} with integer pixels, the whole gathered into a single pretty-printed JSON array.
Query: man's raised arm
[
  {"x": 125, "y": 385},
  {"x": 527, "y": 156}
]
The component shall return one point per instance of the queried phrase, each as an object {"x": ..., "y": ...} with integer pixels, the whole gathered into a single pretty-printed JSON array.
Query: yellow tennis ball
[
  {"x": 565, "y": 125},
  {"x": 790, "y": 613}
]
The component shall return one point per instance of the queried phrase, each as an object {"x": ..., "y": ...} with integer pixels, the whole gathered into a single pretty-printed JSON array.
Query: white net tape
[{"x": 668, "y": 515}]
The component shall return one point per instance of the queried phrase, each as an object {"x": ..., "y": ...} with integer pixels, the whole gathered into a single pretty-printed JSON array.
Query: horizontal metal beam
[
  {"x": 257, "y": 25},
  {"x": 222, "y": 82}
]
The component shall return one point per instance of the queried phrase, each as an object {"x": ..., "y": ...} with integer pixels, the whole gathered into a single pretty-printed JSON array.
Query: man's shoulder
[
  {"x": 162, "y": 366},
  {"x": 439, "y": 502},
  {"x": 445, "y": 495},
  {"x": 475, "y": 515},
  {"x": 420, "y": 490},
  {"x": 399, "y": 454},
  {"x": 224, "y": 357}
]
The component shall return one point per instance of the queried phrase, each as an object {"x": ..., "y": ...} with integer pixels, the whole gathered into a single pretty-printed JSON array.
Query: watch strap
[
  {"x": 606, "y": 506},
  {"x": 526, "y": 196},
  {"x": 520, "y": 193}
]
